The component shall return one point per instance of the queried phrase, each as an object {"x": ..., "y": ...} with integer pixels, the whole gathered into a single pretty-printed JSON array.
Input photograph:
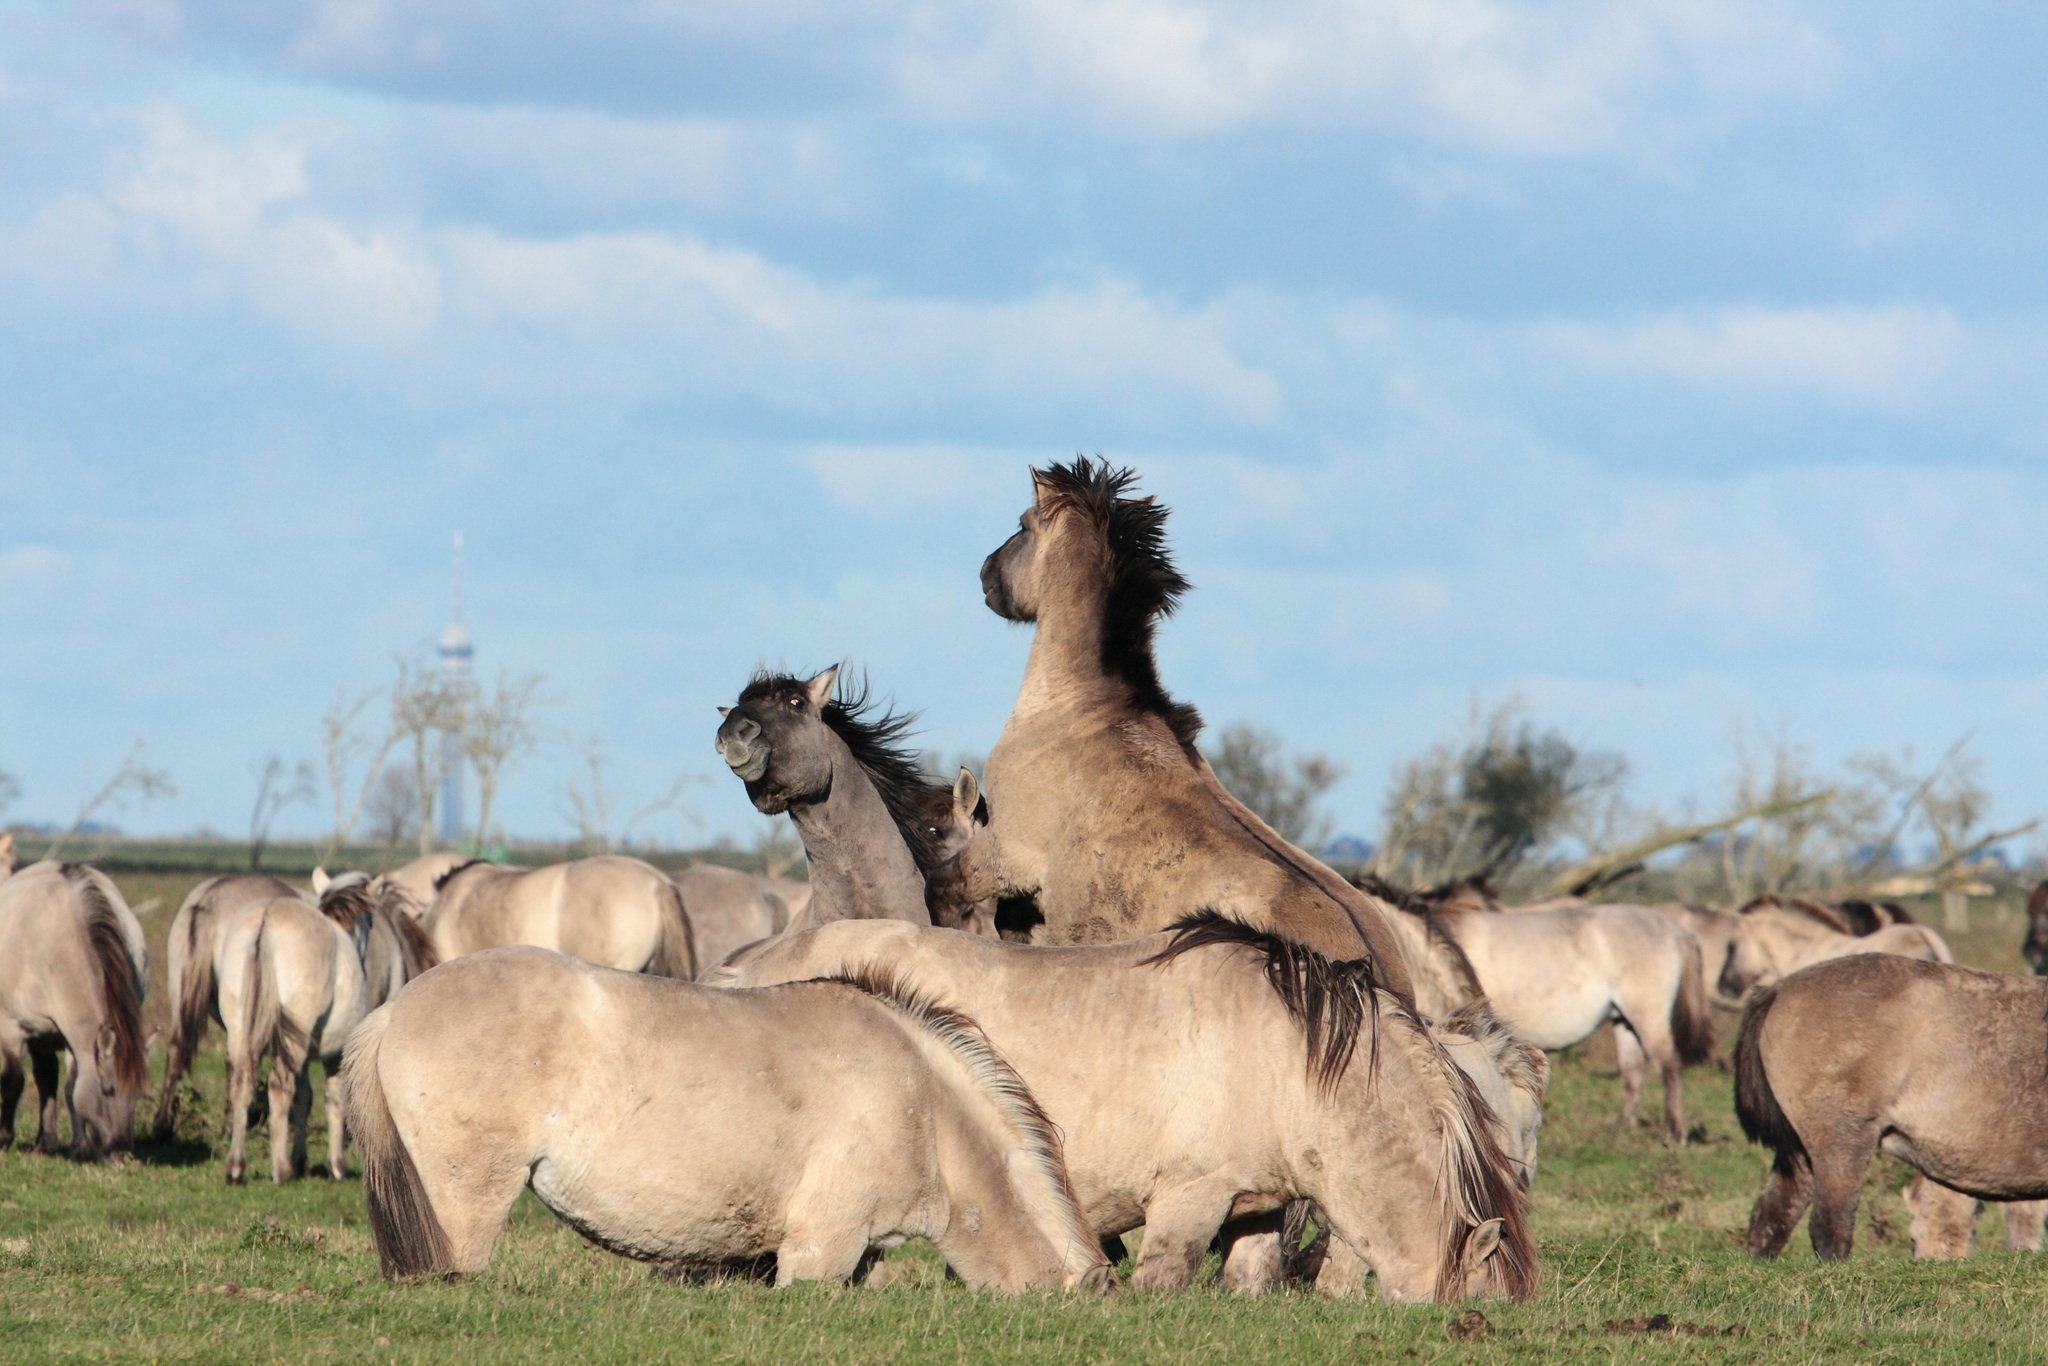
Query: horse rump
[
  {"x": 409, "y": 1237},
  {"x": 674, "y": 953},
  {"x": 1756, "y": 1105}
]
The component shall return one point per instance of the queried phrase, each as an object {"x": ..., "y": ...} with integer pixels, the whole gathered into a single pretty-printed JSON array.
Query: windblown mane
[
  {"x": 1021, "y": 1113},
  {"x": 120, "y": 989},
  {"x": 1827, "y": 916},
  {"x": 1372, "y": 884},
  {"x": 452, "y": 873},
  {"x": 1334, "y": 1003},
  {"x": 878, "y": 747},
  {"x": 1143, "y": 583},
  {"x": 347, "y": 899}
]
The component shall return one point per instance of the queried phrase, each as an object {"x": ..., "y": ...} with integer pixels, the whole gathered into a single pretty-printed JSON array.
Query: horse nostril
[{"x": 747, "y": 731}]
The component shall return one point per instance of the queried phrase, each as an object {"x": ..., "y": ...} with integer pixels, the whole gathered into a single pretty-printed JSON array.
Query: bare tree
[
  {"x": 341, "y": 748},
  {"x": 421, "y": 711},
  {"x": 393, "y": 809},
  {"x": 275, "y": 790},
  {"x": 1280, "y": 790},
  {"x": 133, "y": 782},
  {"x": 9, "y": 789},
  {"x": 590, "y": 805},
  {"x": 498, "y": 731}
]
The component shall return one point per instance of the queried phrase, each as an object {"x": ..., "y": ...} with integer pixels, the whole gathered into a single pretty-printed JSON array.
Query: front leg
[
  {"x": 1253, "y": 1258},
  {"x": 42, "y": 1061},
  {"x": 1179, "y": 1226}
]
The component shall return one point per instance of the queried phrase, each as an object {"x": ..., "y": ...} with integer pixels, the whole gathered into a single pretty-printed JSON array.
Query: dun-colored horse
[
  {"x": 680, "y": 1124},
  {"x": 72, "y": 973},
  {"x": 614, "y": 911}
]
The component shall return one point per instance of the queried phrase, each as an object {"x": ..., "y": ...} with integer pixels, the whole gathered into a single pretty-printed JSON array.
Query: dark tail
[
  {"x": 191, "y": 1001},
  {"x": 413, "y": 945},
  {"x": 1692, "y": 1024},
  {"x": 1756, "y": 1105},
  {"x": 410, "y": 1240},
  {"x": 674, "y": 954}
]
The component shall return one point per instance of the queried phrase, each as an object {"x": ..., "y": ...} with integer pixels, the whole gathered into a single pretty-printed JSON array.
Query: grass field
[{"x": 154, "y": 1259}]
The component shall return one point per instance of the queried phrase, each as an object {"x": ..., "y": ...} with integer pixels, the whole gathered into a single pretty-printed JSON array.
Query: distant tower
[{"x": 457, "y": 682}]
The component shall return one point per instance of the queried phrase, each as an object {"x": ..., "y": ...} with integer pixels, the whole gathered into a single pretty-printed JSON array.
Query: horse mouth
[{"x": 750, "y": 762}]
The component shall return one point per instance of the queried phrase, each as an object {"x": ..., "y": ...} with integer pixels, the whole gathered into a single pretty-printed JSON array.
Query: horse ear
[
  {"x": 320, "y": 881},
  {"x": 1041, "y": 490},
  {"x": 969, "y": 806},
  {"x": 724, "y": 712},
  {"x": 1481, "y": 1243},
  {"x": 819, "y": 689}
]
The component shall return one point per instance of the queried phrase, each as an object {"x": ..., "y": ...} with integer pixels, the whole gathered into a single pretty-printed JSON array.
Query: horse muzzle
[{"x": 741, "y": 746}]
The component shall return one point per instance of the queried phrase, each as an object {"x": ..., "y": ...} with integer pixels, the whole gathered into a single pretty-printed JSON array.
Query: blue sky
[{"x": 1675, "y": 364}]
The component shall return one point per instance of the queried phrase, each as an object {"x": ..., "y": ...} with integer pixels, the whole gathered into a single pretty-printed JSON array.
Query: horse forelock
[
  {"x": 878, "y": 744},
  {"x": 1142, "y": 582},
  {"x": 1034, "y": 1130},
  {"x": 1333, "y": 1002},
  {"x": 120, "y": 986}
]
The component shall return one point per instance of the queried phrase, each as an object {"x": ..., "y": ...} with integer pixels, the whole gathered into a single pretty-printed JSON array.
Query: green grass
[{"x": 155, "y": 1259}]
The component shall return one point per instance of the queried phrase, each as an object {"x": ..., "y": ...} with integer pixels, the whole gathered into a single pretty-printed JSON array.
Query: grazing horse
[
  {"x": 1104, "y": 812},
  {"x": 1937, "y": 1065},
  {"x": 1777, "y": 936},
  {"x": 614, "y": 911},
  {"x": 73, "y": 968},
  {"x": 1553, "y": 977},
  {"x": 1159, "y": 1059},
  {"x": 195, "y": 934},
  {"x": 292, "y": 986},
  {"x": 679, "y": 1124}
]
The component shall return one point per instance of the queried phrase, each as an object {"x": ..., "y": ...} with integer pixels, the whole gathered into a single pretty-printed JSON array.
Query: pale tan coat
[
  {"x": 615, "y": 911},
  {"x": 682, "y": 1125},
  {"x": 1772, "y": 942}
]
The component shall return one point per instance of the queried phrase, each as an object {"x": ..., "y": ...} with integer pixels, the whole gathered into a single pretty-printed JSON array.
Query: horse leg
[
  {"x": 1343, "y": 1271},
  {"x": 12, "y": 1082},
  {"x": 241, "y": 1093},
  {"x": 1253, "y": 1259},
  {"x": 1179, "y": 1226},
  {"x": 337, "y": 1136},
  {"x": 1838, "y": 1171},
  {"x": 1941, "y": 1223},
  {"x": 832, "y": 1255},
  {"x": 2023, "y": 1225},
  {"x": 1628, "y": 1052},
  {"x": 291, "y": 1103},
  {"x": 471, "y": 1208},
  {"x": 43, "y": 1062},
  {"x": 177, "y": 1059},
  {"x": 1786, "y": 1193}
]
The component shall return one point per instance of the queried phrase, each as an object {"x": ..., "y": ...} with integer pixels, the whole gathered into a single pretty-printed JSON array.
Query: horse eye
[{"x": 797, "y": 702}]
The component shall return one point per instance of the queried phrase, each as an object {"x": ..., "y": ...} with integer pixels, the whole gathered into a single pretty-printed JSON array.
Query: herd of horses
[{"x": 1019, "y": 1016}]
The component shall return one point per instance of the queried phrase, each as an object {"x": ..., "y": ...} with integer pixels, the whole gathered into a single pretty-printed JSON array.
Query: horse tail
[
  {"x": 191, "y": 986},
  {"x": 121, "y": 985},
  {"x": 674, "y": 954},
  {"x": 1692, "y": 1024},
  {"x": 1756, "y": 1105},
  {"x": 1039, "y": 1171},
  {"x": 409, "y": 1237},
  {"x": 414, "y": 948}
]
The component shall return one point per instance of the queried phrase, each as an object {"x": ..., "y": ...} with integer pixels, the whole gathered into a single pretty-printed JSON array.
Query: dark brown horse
[{"x": 1939, "y": 1066}]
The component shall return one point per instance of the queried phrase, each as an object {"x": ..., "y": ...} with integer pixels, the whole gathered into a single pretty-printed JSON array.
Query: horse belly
[{"x": 655, "y": 1211}]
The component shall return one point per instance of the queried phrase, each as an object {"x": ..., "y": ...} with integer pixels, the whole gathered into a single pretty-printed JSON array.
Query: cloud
[
  {"x": 1589, "y": 76},
  {"x": 1896, "y": 357}
]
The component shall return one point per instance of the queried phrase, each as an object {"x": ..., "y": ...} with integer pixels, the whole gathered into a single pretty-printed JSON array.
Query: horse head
[{"x": 774, "y": 738}]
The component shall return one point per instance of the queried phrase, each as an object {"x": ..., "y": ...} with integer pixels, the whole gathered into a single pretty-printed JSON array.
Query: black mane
[
  {"x": 1333, "y": 1002},
  {"x": 457, "y": 870},
  {"x": 1143, "y": 583},
  {"x": 878, "y": 747}
]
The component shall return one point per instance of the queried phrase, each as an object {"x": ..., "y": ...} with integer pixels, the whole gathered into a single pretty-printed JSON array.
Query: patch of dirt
[
  {"x": 1663, "y": 1323},
  {"x": 1469, "y": 1326},
  {"x": 295, "y": 1295}
]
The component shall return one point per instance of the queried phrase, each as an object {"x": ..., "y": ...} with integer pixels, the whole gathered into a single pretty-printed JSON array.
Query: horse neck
[
  {"x": 1066, "y": 647},
  {"x": 860, "y": 867}
]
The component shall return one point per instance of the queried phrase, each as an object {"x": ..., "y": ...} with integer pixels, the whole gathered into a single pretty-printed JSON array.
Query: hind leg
[
  {"x": 1628, "y": 1052},
  {"x": 241, "y": 1091},
  {"x": 177, "y": 1059},
  {"x": 471, "y": 1207},
  {"x": 12, "y": 1083},
  {"x": 1838, "y": 1171},
  {"x": 1942, "y": 1223},
  {"x": 291, "y": 1105},
  {"x": 832, "y": 1255},
  {"x": 42, "y": 1061},
  {"x": 1253, "y": 1258},
  {"x": 1786, "y": 1193},
  {"x": 2023, "y": 1225},
  {"x": 337, "y": 1137}
]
